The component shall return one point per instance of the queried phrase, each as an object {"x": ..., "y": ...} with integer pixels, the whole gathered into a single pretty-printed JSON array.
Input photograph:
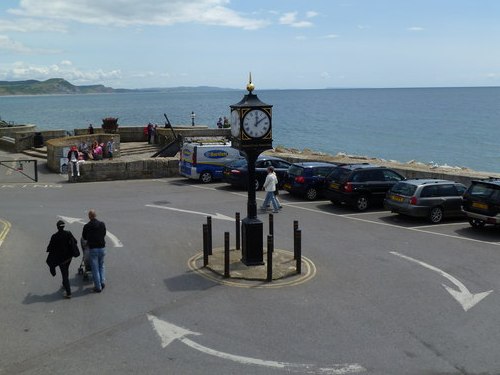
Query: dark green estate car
[
  {"x": 360, "y": 185},
  {"x": 481, "y": 202}
]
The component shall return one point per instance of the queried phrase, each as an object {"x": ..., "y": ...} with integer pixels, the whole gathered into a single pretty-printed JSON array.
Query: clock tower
[{"x": 251, "y": 133}]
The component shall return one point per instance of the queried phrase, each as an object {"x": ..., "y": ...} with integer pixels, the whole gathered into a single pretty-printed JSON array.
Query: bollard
[
  {"x": 271, "y": 224},
  {"x": 209, "y": 238},
  {"x": 295, "y": 229},
  {"x": 270, "y": 250},
  {"x": 238, "y": 229},
  {"x": 298, "y": 245},
  {"x": 226, "y": 255},
  {"x": 205, "y": 245}
]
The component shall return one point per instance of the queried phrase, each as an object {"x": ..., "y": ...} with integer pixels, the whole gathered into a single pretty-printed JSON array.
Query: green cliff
[{"x": 48, "y": 87}]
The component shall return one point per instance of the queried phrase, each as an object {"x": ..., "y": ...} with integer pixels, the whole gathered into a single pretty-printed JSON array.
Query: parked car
[
  {"x": 360, "y": 185},
  {"x": 307, "y": 179},
  {"x": 481, "y": 202},
  {"x": 236, "y": 172},
  {"x": 430, "y": 198}
]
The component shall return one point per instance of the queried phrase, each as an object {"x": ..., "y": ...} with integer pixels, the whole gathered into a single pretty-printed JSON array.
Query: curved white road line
[
  {"x": 169, "y": 332},
  {"x": 463, "y": 296}
]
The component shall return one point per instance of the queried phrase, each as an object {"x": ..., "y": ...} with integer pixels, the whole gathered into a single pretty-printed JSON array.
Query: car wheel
[
  {"x": 476, "y": 223},
  {"x": 311, "y": 194},
  {"x": 436, "y": 215},
  {"x": 362, "y": 203},
  {"x": 206, "y": 177}
]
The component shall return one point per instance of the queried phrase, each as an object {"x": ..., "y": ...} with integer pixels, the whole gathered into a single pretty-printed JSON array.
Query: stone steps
[{"x": 40, "y": 153}]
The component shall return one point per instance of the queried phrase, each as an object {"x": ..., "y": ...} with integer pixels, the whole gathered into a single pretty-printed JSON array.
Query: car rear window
[
  {"x": 402, "y": 188},
  {"x": 339, "y": 174},
  {"x": 295, "y": 170},
  {"x": 485, "y": 191},
  {"x": 238, "y": 163}
]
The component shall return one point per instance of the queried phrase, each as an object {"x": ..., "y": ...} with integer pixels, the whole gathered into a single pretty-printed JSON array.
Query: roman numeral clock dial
[{"x": 256, "y": 123}]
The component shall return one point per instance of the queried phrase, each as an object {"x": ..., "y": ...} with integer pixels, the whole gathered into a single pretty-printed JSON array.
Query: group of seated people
[{"x": 97, "y": 151}]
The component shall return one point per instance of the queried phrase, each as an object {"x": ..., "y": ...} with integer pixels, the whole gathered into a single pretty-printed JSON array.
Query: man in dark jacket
[
  {"x": 94, "y": 232},
  {"x": 60, "y": 251}
]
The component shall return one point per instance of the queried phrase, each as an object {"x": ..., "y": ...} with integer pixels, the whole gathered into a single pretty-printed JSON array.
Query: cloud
[
  {"x": 331, "y": 36},
  {"x": 415, "y": 28},
  {"x": 311, "y": 14},
  {"x": 9, "y": 45},
  {"x": 65, "y": 69},
  {"x": 26, "y": 25},
  {"x": 290, "y": 19},
  {"x": 137, "y": 12}
]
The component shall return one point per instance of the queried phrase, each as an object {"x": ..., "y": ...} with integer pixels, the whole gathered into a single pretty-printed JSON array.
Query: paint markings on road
[
  {"x": 70, "y": 220},
  {"x": 5, "y": 230},
  {"x": 415, "y": 229},
  {"x": 214, "y": 216},
  {"x": 169, "y": 332},
  {"x": 463, "y": 296}
]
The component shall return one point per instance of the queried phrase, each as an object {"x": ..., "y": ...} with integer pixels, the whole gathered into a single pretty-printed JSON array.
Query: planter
[{"x": 109, "y": 124}]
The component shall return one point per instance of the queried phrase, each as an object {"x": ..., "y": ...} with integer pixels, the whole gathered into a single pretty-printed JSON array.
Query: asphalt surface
[{"x": 390, "y": 295}]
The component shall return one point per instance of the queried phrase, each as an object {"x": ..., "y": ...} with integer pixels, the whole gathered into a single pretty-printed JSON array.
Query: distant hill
[
  {"x": 50, "y": 86},
  {"x": 61, "y": 86}
]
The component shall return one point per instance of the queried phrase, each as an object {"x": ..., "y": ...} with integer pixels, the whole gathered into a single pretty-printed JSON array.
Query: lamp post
[{"x": 192, "y": 118}]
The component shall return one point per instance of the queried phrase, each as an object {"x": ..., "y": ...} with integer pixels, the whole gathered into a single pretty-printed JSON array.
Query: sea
[{"x": 451, "y": 127}]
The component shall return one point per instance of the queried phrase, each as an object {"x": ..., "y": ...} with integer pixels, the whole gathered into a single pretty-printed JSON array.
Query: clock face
[
  {"x": 235, "y": 123},
  {"x": 256, "y": 123}
]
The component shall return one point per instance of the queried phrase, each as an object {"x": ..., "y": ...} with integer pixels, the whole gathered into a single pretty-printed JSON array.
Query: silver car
[{"x": 429, "y": 198}]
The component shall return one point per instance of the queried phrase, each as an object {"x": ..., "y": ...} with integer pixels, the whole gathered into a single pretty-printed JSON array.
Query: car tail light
[
  {"x": 348, "y": 187},
  {"x": 235, "y": 171},
  {"x": 300, "y": 179},
  {"x": 413, "y": 200}
]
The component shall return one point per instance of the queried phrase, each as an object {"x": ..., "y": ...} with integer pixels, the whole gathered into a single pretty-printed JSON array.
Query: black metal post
[
  {"x": 36, "y": 170},
  {"x": 226, "y": 255},
  {"x": 298, "y": 241},
  {"x": 295, "y": 229},
  {"x": 238, "y": 231},
  {"x": 209, "y": 225},
  {"x": 270, "y": 250},
  {"x": 205, "y": 245},
  {"x": 271, "y": 224},
  {"x": 252, "y": 229}
]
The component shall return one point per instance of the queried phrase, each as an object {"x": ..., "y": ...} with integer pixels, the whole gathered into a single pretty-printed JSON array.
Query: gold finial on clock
[{"x": 250, "y": 85}]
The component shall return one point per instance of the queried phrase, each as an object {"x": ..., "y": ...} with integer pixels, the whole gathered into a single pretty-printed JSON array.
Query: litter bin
[{"x": 38, "y": 140}]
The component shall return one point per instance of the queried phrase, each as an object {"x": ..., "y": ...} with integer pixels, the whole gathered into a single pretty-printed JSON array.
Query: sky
[{"x": 284, "y": 44}]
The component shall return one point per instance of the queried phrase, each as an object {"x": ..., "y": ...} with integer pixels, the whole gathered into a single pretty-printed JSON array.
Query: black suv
[
  {"x": 307, "y": 178},
  {"x": 481, "y": 202},
  {"x": 360, "y": 185}
]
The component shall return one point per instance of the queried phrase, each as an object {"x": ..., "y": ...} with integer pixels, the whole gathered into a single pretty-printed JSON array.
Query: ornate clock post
[{"x": 251, "y": 130}]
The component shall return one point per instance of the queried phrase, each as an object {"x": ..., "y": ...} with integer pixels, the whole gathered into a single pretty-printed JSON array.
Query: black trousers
[{"x": 64, "y": 267}]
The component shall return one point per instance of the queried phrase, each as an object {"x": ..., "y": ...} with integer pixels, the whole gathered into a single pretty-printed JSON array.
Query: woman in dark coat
[{"x": 60, "y": 251}]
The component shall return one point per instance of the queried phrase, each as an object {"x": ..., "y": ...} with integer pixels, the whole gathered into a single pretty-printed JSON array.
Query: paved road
[{"x": 390, "y": 296}]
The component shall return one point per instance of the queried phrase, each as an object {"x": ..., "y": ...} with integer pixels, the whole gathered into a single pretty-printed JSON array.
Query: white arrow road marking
[
  {"x": 216, "y": 216},
  {"x": 169, "y": 332},
  {"x": 462, "y": 295},
  {"x": 70, "y": 220}
]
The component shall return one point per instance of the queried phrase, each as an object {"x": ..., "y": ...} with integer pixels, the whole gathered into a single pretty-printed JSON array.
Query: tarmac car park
[{"x": 376, "y": 304}]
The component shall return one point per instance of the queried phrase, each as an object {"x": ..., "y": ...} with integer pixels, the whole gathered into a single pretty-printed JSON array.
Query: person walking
[
  {"x": 61, "y": 252},
  {"x": 270, "y": 187},
  {"x": 94, "y": 232}
]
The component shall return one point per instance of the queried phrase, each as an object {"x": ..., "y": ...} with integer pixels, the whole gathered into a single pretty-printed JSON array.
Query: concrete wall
[
  {"x": 55, "y": 147},
  {"x": 91, "y": 171}
]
